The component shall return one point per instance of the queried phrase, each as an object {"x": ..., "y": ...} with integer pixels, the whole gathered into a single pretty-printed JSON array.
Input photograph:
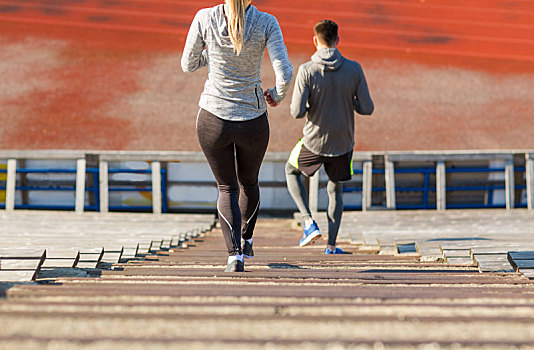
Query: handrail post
[
  {"x": 530, "y": 180},
  {"x": 81, "y": 166},
  {"x": 104, "y": 186},
  {"x": 391, "y": 201},
  {"x": 314, "y": 193},
  {"x": 510, "y": 184},
  {"x": 367, "y": 185},
  {"x": 156, "y": 187},
  {"x": 11, "y": 184},
  {"x": 441, "y": 186}
]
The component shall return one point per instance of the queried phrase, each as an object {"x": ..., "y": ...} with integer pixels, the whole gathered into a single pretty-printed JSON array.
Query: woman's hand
[{"x": 269, "y": 98}]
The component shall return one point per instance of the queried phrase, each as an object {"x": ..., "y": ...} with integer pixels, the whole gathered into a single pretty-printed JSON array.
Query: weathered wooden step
[
  {"x": 266, "y": 329},
  {"x": 398, "y": 311}
]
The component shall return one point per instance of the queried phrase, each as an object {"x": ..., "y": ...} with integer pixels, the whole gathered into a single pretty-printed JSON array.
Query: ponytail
[{"x": 236, "y": 22}]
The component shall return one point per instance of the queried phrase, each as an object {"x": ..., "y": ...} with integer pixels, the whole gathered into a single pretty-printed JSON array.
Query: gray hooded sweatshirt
[
  {"x": 233, "y": 89},
  {"x": 329, "y": 89}
]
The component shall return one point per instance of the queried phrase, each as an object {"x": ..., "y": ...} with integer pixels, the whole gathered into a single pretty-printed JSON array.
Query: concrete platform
[{"x": 481, "y": 238}]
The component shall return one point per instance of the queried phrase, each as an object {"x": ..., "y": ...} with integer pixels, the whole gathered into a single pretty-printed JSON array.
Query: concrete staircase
[
  {"x": 491, "y": 240},
  {"x": 288, "y": 298},
  {"x": 48, "y": 244}
]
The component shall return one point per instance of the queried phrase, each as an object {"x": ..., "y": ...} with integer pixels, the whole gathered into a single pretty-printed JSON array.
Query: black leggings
[{"x": 235, "y": 151}]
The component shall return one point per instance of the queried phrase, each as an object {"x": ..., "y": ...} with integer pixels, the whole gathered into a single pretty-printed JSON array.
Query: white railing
[
  {"x": 366, "y": 158},
  {"x": 440, "y": 158},
  {"x": 104, "y": 157}
]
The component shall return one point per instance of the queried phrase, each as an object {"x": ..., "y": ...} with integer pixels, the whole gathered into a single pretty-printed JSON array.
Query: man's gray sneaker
[{"x": 235, "y": 266}]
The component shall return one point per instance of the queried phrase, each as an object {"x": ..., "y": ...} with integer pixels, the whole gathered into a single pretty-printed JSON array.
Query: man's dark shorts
[{"x": 338, "y": 168}]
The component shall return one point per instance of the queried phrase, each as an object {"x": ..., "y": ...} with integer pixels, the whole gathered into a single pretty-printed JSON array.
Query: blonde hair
[{"x": 236, "y": 22}]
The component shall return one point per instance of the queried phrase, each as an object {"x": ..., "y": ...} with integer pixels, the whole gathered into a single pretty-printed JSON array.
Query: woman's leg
[
  {"x": 251, "y": 146},
  {"x": 219, "y": 150}
]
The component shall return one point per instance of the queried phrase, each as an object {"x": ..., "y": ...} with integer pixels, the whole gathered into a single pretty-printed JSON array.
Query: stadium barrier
[
  {"x": 394, "y": 167},
  {"x": 440, "y": 159}
]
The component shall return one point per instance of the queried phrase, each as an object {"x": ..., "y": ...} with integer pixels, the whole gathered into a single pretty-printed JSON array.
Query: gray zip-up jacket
[
  {"x": 329, "y": 89},
  {"x": 233, "y": 89}
]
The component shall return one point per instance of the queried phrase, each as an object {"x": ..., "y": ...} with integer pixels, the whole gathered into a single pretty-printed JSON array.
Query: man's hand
[{"x": 269, "y": 98}]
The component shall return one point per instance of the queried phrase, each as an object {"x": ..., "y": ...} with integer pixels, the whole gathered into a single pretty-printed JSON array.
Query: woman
[{"x": 232, "y": 124}]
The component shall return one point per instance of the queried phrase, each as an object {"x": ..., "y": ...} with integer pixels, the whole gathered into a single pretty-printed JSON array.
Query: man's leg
[
  {"x": 335, "y": 211},
  {"x": 339, "y": 170},
  {"x": 298, "y": 192}
]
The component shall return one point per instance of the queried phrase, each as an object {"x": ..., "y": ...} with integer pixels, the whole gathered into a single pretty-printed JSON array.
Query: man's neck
[{"x": 320, "y": 47}]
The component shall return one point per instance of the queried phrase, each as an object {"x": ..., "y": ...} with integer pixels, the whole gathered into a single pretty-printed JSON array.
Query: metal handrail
[{"x": 101, "y": 190}]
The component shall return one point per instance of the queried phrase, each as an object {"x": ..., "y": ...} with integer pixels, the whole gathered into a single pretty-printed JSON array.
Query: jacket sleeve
[
  {"x": 301, "y": 94},
  {"x": 194, "y": 55},
  {"x": 279, "y": 60},
  {"x": 363, "y": 104}
]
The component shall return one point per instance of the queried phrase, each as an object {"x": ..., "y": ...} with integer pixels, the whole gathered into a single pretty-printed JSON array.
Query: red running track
[
  {"x": 482, "y": 28},
  {"x": 109, "y": 43}
]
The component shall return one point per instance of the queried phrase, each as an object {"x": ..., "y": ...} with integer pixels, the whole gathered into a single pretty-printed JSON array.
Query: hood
[
  {"x": 331, "y": 59},
  {"x": 220, "y": 27}
]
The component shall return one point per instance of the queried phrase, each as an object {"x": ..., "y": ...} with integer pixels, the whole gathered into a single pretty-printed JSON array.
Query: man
[{"x": 328, "y": 90}]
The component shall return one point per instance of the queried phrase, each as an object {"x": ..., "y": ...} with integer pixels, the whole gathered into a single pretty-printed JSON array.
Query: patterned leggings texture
[{"x": 235, "y": 151}]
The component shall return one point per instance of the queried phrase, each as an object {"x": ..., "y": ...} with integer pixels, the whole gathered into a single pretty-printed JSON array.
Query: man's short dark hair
[{"x": 326, "y": 31}]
